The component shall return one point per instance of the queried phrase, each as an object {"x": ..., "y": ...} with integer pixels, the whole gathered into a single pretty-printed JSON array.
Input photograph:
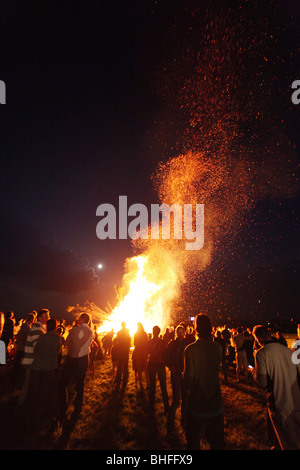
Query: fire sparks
[{"x": 224, "y": 163}]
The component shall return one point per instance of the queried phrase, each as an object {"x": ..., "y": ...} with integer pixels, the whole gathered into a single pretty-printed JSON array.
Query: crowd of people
[
  {"x": 47, "y": 356},
  {"x": 44, "y": 357}
]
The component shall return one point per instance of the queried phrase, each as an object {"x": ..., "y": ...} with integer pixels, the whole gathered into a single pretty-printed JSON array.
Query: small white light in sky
[{"x": 100, "y": 266}]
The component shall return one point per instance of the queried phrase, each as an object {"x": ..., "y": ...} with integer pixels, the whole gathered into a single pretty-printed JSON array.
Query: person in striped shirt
[{"x": 37, "y": 329}]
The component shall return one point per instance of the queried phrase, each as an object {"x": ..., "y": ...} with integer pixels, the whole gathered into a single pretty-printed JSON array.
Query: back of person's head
[
  {"x": 84, "y": 318},
  {"x": 30, "y": 317},
  {"x": 183, "y": 325},
  {"x": 203, "y": 326},
  {"x": 123, "y": 324},
  {"x": 51, "y": 324},
  {"x": 261, "y": 333},
  {"x": 156, "y": 330}
]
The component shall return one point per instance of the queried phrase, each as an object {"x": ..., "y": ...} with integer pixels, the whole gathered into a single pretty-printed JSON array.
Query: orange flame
[{"x": 149, "y": 286}]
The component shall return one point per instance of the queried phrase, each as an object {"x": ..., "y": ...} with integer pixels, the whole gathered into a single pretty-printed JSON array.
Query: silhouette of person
[
  {"x": 121, "y": 349},
  {"x": 107, "y": 342},
  {"x": 219, "y": 339},
  {"x": 140, "y": 355},
  {"x": 175, "y": 362},
  {"x": 202, "y": 361},
  {"x": 156, "y": 366},
  {"x": 43, "y": 376},
  {"x": 240, "y": 354}
]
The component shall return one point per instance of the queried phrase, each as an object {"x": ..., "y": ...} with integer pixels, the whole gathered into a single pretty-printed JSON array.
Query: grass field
[{"x": 121, "y": 421}]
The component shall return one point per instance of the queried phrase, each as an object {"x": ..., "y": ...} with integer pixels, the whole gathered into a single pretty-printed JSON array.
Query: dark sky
[{"x": 88, "y": 119}]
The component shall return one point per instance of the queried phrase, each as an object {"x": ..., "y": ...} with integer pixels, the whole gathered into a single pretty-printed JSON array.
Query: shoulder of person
[
  {"x": 217, "y": 344},
  {"x": 37, "y": 326},
  {"x": 190, "y": 347},
  {"x": 89, "y": 329},
  {"x": 171, "y": 345},
  {"x": 266, "y": 349}
]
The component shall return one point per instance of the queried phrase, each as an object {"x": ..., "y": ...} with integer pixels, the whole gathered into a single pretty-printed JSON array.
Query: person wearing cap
[{"x": 202, "y": 360}]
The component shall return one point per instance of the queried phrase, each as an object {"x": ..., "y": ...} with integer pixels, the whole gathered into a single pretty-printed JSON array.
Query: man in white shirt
[
  {"x": 279, "y": 376},
  {"x": 78, "y": 347}
]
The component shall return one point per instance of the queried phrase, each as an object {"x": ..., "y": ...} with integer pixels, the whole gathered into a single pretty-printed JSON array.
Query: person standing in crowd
[
  {"x": 202, "y": 361},
  {"x": 22, "y": 337},
  {"x": 8, "y": 329},
  {"x": 75, "y": 366},
  {"x": 276, "y": 373},
  {"x": 140, "y": 355},
  {"x": 114, "y": 359},
  {"x": 218, "y": 337},
  {"x": 249, "y": 347},
  {"x": 107, "y": 342},
  {"x": 60, "y": 333},
  {"x": 175, "y": 362},
  {"x": 95, "y": 352},
  {"x": 189, "y": 332},
  {"x": 156, "y": 366},
  {"x": 240, "y": 354},
  {"x": 99, "y": 356},
  {"x": 122, "y": 347},
  {"x": 37, "y": 329},
  {"x": 43, "y": 379}
]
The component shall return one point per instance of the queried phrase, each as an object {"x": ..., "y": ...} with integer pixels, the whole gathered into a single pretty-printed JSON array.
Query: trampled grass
[
  {"x": 121, "y": 421},
  {"x": 112, "y": 420}
]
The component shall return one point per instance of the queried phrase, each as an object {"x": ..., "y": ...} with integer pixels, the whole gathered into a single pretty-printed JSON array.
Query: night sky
[{"x": 91, "y": 110}]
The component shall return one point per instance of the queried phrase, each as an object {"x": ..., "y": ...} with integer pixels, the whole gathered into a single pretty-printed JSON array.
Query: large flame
[{"x": 149, "y": 286}]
